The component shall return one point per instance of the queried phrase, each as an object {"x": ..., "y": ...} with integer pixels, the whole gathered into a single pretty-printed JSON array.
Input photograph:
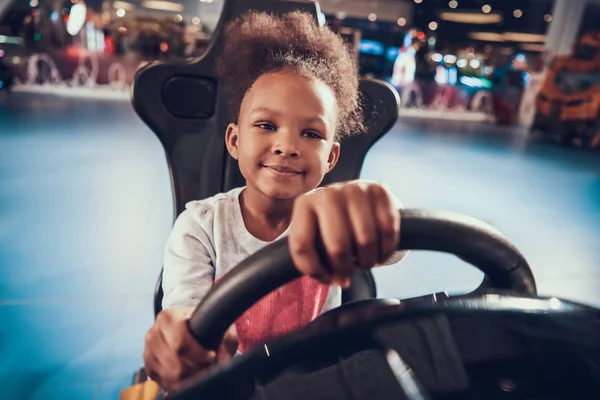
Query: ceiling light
[
  {"x": 453, "y": 4},
  {"x": 508, "y": 37},
  {"x": 471, "y": 18},
  {"x": 533, "y": 47},
  {"x": 450, "y": 58},
  {"x": 433, "y": 25},
  {"x": 525, "y": 37},
  {"x": 518, "y": 13},
  {"x": 486, "y": 8},
  {"x": 401, "y": 21},
  {"x": 162, "y": 5},
  {"x": 77, "y": 17},
  {"x": 124, "y": 5},
  {"x": 487, "y": 36}
]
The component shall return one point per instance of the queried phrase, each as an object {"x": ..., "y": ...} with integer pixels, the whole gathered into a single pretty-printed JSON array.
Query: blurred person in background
[{"x": 6, "y": 74}]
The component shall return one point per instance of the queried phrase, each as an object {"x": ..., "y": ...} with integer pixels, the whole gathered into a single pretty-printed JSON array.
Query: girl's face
[{"x": 285, "y": 137}]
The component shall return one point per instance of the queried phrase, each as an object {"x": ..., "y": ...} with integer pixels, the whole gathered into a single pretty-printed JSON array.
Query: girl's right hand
[{"x": 171, "y": 353}]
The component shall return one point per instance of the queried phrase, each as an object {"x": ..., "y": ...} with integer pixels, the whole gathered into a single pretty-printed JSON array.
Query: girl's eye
[
  {"x": 266, "y": 126},
  {"x": 312, "y": 135}
]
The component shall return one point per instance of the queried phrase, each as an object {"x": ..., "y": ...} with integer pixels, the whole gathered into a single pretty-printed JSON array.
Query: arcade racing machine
[
  {"x": 500, "y": 342},
  {"x": 568, "y": 104}
]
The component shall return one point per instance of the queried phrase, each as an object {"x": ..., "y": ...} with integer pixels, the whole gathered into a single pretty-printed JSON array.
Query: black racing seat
[{"x": 184, "y": 105}]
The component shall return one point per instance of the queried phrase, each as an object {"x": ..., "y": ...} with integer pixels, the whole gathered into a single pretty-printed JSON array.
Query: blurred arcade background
[{"x": 504, "y": 62}]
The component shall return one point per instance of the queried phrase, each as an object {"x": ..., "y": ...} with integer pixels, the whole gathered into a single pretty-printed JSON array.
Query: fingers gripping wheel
[{"x": 474, "y": 241}]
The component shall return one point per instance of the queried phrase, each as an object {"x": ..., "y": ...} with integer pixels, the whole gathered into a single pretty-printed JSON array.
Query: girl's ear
[
  {"x": 231, "y": 140},
  {"x": 334, "y": 156}
]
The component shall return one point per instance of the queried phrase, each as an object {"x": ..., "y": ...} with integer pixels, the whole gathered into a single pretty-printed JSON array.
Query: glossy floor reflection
[{"x": 85, "y": 209}]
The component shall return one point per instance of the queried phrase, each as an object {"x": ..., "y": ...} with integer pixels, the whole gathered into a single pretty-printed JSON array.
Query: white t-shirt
[{"x": 209, "y": 239}]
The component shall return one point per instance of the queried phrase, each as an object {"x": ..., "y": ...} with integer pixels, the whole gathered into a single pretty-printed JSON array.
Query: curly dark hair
[{"x": 260, "y": 43}]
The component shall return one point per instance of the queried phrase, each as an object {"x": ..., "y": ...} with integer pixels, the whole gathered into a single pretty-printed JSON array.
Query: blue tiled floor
[
  {"x": 545, "y": 199},
  {"x": 85, "y": 209}
]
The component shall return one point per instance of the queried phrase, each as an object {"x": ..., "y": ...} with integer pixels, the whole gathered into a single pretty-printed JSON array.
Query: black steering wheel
[{"x": 473, "y": 241}]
